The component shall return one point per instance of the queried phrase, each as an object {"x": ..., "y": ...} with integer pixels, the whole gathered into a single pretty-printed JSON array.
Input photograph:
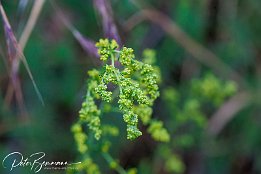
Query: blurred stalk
[
  {"x": 87, "y": 44},
  {"x": 16, "y": 53},
  {"x": 37, "y": 7},
  {"x": 109, "y": 27},
  {"x": 111, "y": 161},
  {"x": 227, "y": 111},
  {"x": 198, "y": 51}
]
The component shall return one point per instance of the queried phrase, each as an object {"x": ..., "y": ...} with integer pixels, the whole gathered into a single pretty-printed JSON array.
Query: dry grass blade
[
  {"x": 13, "y": 63},
  {"x": 198, "y": 51},
  {"x": 16, "y": 54},
  {"x": 226, "y": 112},
  {"x": 87, "y": 44},
  {"x": 108, "y": 24},
  {"x": 24, "y": 38},
  {"x": 37, "y": 7}
]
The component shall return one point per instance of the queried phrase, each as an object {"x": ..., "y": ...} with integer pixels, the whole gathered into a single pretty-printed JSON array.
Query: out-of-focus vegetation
[{"x": 208, "y": 55}]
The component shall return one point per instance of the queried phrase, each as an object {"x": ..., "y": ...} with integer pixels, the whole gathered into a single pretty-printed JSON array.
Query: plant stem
[{"x": 109, "y": 159}]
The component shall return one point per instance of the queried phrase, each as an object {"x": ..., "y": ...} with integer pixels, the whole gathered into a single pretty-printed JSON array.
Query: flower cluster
[
  {"x": 158, "y": 132},
  {"x": 189, "y": 107},
  {"x": 144, "y": 112},
  {"x": 212, "y": 88},
  {"x": 132, "y": 84},
  {"x": 123, "y": 85},
  {"x": 80, "y": 138},
  {"x": 89, "y": 113},
  {"x": 105, "y": 47},
  {"x": 149, "y": 79},
  {"x": 149, "y": 57},
  {"x": 126, "y": 56},
  {"x": 139, "y": 92}
]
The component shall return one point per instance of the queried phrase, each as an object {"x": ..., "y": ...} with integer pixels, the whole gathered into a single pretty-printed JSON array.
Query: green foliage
[
  {"x": 206, "y": 90},
  {"x": 174, "y": 164},
  {"x": 212, "y": 88},
  {"x": 189, "y": 112},
  {"x": 158, "y": 132}
]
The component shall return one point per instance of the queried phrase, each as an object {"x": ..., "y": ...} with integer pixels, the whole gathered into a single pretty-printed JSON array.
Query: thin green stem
[
  {"x": 116, "y": 73},
  {"x": 117, "y": 54},
  {"x": 116, "y": 51},
  {"x": 88, "y": 92},
  {"x": 109, "y": 160},
  {"x": 118, "y": 79},
  {"x": 112, "y": 59}
]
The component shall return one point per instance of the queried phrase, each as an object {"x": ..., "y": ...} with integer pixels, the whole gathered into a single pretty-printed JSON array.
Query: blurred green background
[{"x": 192, "y": 92}]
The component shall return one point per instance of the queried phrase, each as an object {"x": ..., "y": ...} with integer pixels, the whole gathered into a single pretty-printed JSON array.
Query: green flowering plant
[
  {"x": 133, "y": 85},
  {"x": 212, "y": 88},
  {"x": 123, "y": 85},
  {"x": 189, "y": 107}
]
